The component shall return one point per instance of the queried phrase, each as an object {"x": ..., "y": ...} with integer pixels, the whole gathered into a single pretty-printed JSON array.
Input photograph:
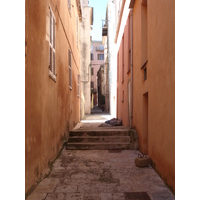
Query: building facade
[
  {"x": 145, "y": 38},
  {"x": 110, "y": 52},
  {"x": 87, "y": 21},
  {"x": 97, "y": 59},
  {"x": 52, "y": 81}
]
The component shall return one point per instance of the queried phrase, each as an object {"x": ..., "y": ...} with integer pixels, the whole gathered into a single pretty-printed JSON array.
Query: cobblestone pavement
[{"x": 100, "y": 175}]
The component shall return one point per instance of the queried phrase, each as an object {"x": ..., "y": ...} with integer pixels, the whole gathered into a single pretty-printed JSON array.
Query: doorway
[{"x": 145, "y": 124}]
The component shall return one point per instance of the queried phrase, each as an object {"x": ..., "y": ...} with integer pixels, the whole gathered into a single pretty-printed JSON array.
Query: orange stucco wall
[
  {"x": 51, "y": 108},
  {"x": 122, "y": 85},
  {"x": 154, "y": 98}
]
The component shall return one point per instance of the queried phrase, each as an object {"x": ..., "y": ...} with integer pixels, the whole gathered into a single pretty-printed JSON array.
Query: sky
[{"x": 99, "y": 14}]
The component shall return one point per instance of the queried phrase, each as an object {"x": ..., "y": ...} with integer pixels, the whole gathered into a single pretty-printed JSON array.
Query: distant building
[
  {"x": 87, "y": 21},
  {"x": 101, "y": 87},
  {"x": 145, "y": 38},
  {"x": 108, "y": 35},
  {"x": 97, "y": 59}
]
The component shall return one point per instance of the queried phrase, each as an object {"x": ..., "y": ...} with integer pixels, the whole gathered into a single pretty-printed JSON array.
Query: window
[
  {"x": 100, "y": 48},
  {"x": 52, "y": 45},
  {"x": 91, "y": 56},
  {"x": 69, "y": 6},
  {"x": 92, "y": 71},
  {"x": 70, "y": 70},
  {"x": 100, "y": 57},
  {"x": 145, "y": 73},
  {"x": 91, "y": 47},
  {"x": 92, "y": 85},
  {"x": 78, "y": 85},
  {"x": 123, "y": 96},
  {"x": 129, "y": 61}
]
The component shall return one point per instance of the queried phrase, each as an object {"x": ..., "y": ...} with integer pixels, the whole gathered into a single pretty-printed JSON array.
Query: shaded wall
[{"x": 51, "y": 108}]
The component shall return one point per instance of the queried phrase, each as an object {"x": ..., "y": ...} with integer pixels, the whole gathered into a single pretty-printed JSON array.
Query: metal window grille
[
  {"x": 70, "y": 71},
  {"x": 52, "y": 45}
]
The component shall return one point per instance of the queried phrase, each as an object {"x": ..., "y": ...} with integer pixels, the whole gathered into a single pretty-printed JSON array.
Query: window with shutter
[
  {"x": 52, "y": 45},
  {"x": 70, "y": 71}
]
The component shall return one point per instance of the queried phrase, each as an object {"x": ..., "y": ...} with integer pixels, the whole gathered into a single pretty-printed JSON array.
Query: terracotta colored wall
[
  {"x": 123, "y": 86},
  {"x": 161, "y": 53},
  {"x": 51, "y": 108},
  {"x": 154, "y": 98}
]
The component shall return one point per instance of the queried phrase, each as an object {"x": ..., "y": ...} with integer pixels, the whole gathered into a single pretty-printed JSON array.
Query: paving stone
[
  {"x": 98, "y": 174},
  {"x": 74, "y": 196},
  {"x": 92, "y": 196},
  {"x": 106, "y": 196},
  {"x": 48, "y": 185},
  {"x": 66, "y": 188},
  {"x": 166, "y": 195},
  {"x": 118, "y": 196},
  {"x": 78, "y": 176},
  {"x": 37, "y": 196},
  {"x": 57, "y": 196}
]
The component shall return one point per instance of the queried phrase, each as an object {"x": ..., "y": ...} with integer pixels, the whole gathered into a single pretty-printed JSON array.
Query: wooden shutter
[{"x": 52, "y": 45}]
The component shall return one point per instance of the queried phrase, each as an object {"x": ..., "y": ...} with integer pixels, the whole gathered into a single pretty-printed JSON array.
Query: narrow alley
[
  {"x": 100, "y": 174},
  {"x": 99, "y": 99}
]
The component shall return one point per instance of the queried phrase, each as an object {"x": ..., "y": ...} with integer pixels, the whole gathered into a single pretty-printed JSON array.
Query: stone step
[
  {"x": 98, "y": 146},
  {"x": 98, "y": 139},
  {"x": 99, "y": 133}
]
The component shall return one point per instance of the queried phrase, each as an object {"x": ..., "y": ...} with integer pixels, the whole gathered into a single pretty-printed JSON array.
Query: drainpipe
[{"x": 131, "y": 123}]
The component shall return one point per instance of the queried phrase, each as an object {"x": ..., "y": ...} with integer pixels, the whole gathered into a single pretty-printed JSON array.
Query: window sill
[
  {"x": 52, "y": 76},
  {"x": 144, "y": 64}
]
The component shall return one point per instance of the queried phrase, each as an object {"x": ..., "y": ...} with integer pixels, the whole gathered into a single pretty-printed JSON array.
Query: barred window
[
  {"x": 70, "y": 70},
  {"x": 52, "y": 45}
]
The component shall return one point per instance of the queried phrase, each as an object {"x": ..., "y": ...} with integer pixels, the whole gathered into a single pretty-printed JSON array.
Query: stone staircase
[{"x": 102, "y": 138}]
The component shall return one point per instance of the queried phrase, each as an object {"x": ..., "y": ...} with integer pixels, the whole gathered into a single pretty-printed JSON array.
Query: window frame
[
  {"x": 99, "y": 56},
  {"x": 52, "y": 44}
]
